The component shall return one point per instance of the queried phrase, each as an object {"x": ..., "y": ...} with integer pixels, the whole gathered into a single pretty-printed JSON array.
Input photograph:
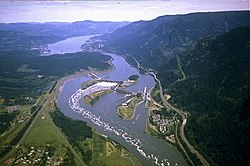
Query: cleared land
[
  {"x": 127, "y": 109},
  {"x": 92, "y": 98},
  {"x": 47, "y": 143}
]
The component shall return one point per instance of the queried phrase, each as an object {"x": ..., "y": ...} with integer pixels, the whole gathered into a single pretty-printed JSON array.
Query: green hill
[
  {"x": 213, "y": 52},
  {"x": 156, "y": 41},
  {"x": 217, "y": 94}
]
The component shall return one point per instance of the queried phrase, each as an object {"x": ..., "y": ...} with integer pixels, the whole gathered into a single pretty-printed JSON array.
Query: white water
[
  {"x": 103, "y": 117},
  {"x": 75, "y": 105}
]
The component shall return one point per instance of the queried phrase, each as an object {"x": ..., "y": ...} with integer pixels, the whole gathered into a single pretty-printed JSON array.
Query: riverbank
[
  {"x": 82, "y": 73},
  {"x": 103, "y": 117},
  {"x": 111, "y": 157},
  {"x": 56, "y": 141},
  {"x": 189, "y": 151},
  {"x": 92, "y": 98},
  {"x": 128, "y": 108}
]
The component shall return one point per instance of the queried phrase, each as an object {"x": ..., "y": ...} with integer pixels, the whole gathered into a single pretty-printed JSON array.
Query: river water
[{"x": 103, "y": 117}]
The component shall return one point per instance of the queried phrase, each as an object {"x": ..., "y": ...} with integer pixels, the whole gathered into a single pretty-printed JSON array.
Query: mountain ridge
[
  {"x": 214, "y": 93},
  {"x": 213, "y": 49},
  {"x": 165, "y": 35},
  {"x": 64, "y": 29}
]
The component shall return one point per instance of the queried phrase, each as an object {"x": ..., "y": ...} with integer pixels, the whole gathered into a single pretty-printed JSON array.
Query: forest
[
  {"x": 25, "y": 74},
  {"x": 215, "y": 60},
  {"x": 6, "y": 119},
  {"x": 216, "y": 94},
  {"x": 77, "y": 131}
]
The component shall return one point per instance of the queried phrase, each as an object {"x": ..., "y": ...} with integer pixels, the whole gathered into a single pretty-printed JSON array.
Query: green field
[
  {"x": 127, "y": 111},
  {"x": 90, "y": 145},
  {"x": 155, "y": 93},
  {"x": 106, "y": 152},
  {"x": 44, "y": 132},
  {"x": 25, "y": 69},
  {"x": 92, "y": 98}
]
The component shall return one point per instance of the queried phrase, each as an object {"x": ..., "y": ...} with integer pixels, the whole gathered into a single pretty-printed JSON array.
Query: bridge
[{"x": 119, "y": 90}]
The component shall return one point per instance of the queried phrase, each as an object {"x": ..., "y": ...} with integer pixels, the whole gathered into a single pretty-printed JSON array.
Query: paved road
[
  {"x": 184, "y": 120},
  {"x": 183, "y": 115},
  {"x": 43, "y": 103},
  {"x": 53, "y": 96},
  {"x": 47, "y": 99}
]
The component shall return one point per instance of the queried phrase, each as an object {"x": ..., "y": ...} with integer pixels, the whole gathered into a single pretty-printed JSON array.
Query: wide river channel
[{"x": 103, "y": 117}]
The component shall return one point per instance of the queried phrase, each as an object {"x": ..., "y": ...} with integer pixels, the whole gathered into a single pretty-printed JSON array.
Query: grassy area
[
  {"x": 148, "y": 104},
  {"x": 152, "y": 130},
  {"x": 25, "y": 68},
  {"x": 92, "y": 98},
  {"x": 3, "y": 109},
  {"x": 127, "y": 110},
  {"x": 45, "y": 136},
  {"x": 43, "y": 132},
  {"x": 86, "y": 84},
  {"x": 44, "y": 144},
  {"x": 106, "y": 152},
  {"x": 155, "y": 93},
  {"x": 115, "y": 159},
  {"x": 12, "y": 128}
]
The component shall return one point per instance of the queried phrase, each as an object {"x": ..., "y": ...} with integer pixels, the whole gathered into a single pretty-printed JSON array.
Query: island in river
[
  {"x": 127, "y": 109},
  {"x": 41, "y": 134},
  {"x": 103, "y": 117}
]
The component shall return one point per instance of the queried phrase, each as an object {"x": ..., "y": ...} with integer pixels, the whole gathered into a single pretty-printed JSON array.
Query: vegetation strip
[{"x": 183, "y": 119}]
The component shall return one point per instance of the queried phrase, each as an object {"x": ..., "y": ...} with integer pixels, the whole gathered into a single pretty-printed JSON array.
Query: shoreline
[
  {"x": 135, "y": 108},
  {"x": 62, "y": 81},
  {"x": 66, "y": 79}
]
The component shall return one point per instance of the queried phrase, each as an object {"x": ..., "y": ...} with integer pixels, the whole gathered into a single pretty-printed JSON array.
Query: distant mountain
[
  {"x": 161, "y": 37},
  {"x": 217, "y": 94},
  {"x": 16, "y": 40},
  {"x": 64, "y": 29},
  {"x": 37, "y": 35}
]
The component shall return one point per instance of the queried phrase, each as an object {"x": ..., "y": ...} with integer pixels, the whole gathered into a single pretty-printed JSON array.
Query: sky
[{"x": 71, "y": 11}]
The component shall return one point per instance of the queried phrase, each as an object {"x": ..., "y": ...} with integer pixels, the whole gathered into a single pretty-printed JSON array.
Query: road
[
  {"x": 48, "y": 98},
  {"x": 183, "y": 115},
  {"x": 128, "y": 158},
  {"x": 184, "y": 120},
  {"x": 28, "y": 129},
  {"x": 53, "y": 96},
  {"x": 39, "y": 110}
]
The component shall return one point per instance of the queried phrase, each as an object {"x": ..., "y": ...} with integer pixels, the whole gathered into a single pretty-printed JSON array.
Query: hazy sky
[{"x": 69, "y": 11}]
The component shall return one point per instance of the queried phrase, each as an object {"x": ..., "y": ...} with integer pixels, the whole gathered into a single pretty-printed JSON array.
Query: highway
[
  {"x": 49, "y": 97},
  {"x": 183, "y": 115}
]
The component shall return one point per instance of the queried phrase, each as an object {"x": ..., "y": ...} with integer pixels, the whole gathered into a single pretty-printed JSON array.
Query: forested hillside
[
  {"x": 153, "y": 42},
  {"x": 63, "y": 29},
  {"x": 21, "y": 64},
  {"x": 24, "y": 74},
  {"x": 217, "y": 94},
  {"x": 213, "y": 51}
]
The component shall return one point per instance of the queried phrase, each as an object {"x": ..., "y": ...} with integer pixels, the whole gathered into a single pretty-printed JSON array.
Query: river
[{"x": 103, "y": 117}]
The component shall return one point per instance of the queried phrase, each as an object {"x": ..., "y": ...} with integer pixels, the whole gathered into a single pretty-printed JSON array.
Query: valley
[
  {"x": 200, "y": 69},
  {"x": 169, "y": 91}
]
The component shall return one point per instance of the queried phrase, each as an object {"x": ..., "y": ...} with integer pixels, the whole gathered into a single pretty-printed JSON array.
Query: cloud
[{"x": 69, "y": 11}]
